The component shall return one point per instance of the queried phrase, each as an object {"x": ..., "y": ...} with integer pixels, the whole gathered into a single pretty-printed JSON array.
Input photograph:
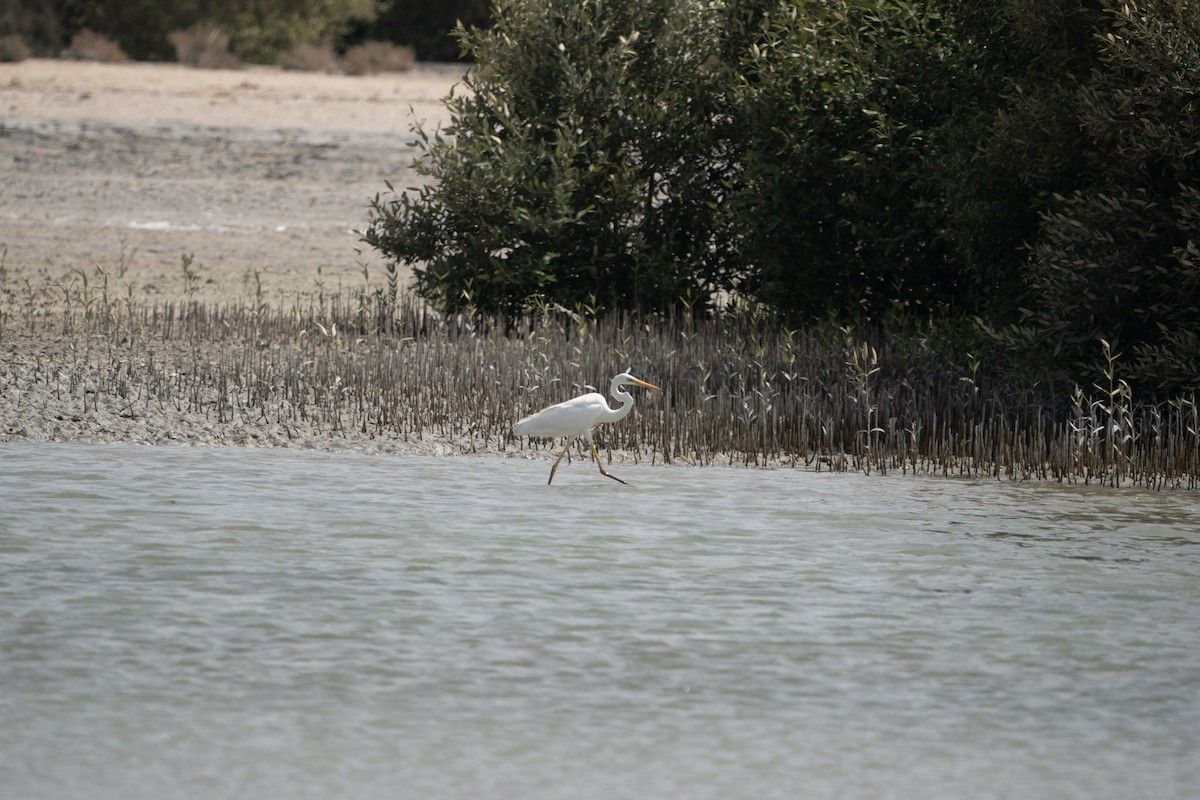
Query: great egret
[{"x": 577, "y": 417}]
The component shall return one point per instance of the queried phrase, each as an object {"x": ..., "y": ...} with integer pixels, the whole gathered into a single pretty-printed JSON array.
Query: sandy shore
[
  {"x": 131, "y": 166},
  {"x": 114, "y": 172}
]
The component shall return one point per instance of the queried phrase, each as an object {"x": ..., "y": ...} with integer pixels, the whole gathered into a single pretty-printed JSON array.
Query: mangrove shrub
[
  {"x": 585, "y": 163},
  {"x": 845, "y": 110},
  {"x": 1031, "y": 165},
  {"x": 1117, "y": 252}
]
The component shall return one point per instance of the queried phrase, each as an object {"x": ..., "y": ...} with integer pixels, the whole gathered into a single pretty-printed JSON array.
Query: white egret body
[{"x": 576, "y": 418}]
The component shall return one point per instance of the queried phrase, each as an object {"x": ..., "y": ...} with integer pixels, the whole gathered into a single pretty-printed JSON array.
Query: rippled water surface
[{"x": 200, "y": 623}]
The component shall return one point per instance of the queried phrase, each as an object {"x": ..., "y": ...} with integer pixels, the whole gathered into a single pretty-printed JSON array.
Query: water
[{"x": 185, "y": 623}]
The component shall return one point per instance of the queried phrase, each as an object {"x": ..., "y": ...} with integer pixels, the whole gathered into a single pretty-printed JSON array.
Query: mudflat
[
  {"x": 139, "y": 190},
  {"x": 132, "y": 167}
]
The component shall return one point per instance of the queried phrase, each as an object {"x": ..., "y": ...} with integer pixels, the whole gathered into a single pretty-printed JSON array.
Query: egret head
[{"x": 626, "y": 378}]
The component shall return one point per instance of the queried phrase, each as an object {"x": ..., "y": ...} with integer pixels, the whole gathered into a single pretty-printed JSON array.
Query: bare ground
[
  {"x": 115, "y": 172},
  {"x": 130, "y": 167}
]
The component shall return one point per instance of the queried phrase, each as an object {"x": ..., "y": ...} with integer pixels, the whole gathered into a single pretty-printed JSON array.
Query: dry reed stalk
[{"x": 376, "y": 366}]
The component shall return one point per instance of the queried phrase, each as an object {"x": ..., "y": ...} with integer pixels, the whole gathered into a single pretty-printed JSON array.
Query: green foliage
[
  {"x": 844, "y": 108},
  {"x": 266, "y": 30},
  {"x": 426, "y": 26},
  {"x": 261, "y": 30},
  {"x": 804, "y": 155},
  {"x": 579, "y": 166},
  {"x": 32, "y": 27},
  {"x": 1117, "y": 252}
]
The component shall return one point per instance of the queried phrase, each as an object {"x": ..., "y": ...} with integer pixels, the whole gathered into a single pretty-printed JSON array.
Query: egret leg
[
  {"x": 560, "y": 458},
  {"x": 596, "y": 456}
]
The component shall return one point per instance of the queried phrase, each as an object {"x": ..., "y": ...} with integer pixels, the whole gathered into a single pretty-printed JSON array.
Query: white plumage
[{"x": 577, "y": 417}]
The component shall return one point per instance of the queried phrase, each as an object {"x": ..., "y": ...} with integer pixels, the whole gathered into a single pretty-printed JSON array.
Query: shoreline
[
  {"x": 113, "y": 174},
  {"x": 93, "y": 389}
]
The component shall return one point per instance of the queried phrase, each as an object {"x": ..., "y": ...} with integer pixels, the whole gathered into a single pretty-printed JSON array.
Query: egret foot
[{"x": 596, "y": 456}]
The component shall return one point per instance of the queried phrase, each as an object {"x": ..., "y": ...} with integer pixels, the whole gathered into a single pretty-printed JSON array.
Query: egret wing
[{"x": 571, "y": 418}]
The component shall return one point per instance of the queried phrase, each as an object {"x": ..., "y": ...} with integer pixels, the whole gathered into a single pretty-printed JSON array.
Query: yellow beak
[{"x": 644, "y": 384}]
